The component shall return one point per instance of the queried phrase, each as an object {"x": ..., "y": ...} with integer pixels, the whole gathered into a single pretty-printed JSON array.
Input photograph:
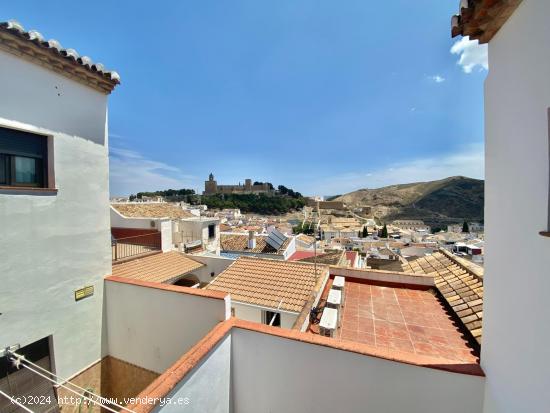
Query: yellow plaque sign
[{"x": 83, "y": 293}]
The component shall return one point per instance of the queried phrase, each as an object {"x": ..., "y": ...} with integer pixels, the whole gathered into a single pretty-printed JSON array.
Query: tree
[
  {"x": 465, "y": 227},
  {"x": 303, "y": 228},
  {"x": 365, "y": 232},
  {"x": 384, "y": 233},
  {"x": 282, "y": 189}
]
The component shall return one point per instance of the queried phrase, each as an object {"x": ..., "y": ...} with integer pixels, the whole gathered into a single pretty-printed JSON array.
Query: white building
[
  {"x": 179, "y": 228},
  {"x": 54, "y": 201},
  {"x": 272, "y": 292},
  {"x": 411, "y": 225},
  {"x": 56, "y": 306},
  {"x": 275, "y": 245},
  {"x": 472, "y": 226},
  {"x": 514, "y": 354}
]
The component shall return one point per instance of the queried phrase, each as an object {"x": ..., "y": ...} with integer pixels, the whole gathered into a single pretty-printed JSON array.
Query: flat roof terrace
[{"x": 403, "y": 319}]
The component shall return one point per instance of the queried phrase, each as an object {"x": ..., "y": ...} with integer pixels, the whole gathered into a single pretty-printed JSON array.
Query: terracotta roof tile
[
  {"x": 152, "y": 210},
  {"x": 239, "y": 242},
  {"x": 268, "y": 282},
  {"x": 161, "y": 268},
  {"x": 482, "y": 19},
  {"x": 460, "y": 284},
  {"x": 49, "y": 53},
  {"x": 306, "y": 238},
  {"x": 329, "y": 258}
]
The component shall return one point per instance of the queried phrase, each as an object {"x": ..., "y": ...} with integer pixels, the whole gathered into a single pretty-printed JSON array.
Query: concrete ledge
[
  {"x": 218, "y": 295},
  {"x": 392, "y": 277},
  {"x": 168, "y": 380},
  {"x": 471, "y": 267}
]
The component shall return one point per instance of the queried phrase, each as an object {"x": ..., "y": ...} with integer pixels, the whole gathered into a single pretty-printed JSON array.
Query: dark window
[
  {"x": 272, "y": 318},
  {"x": 211, "y": 231},
  {"x": 23, "y": 159}
]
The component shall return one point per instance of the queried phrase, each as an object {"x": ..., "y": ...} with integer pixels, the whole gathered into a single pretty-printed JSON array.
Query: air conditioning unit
[
  {"x": 334, "y": 299},
  {"x": 329, "y": 322}
]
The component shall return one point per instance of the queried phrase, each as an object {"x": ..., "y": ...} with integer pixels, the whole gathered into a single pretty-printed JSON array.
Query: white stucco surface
[
  {"x": 382, "y": 275},
  {"x": 55, "y": 244},
  {"x": 515, "y": 353},
  {"x": 119, "y": 221},
  {"x": 38, "y": 96},
  {"x": 153, "y": 328},
  {"x": 207, "y": 388},
  {"x": 213, "y": 265},
  {"x": 264, "y": 373},
  {"x": 272, "y": 374},
  {"x": 254, "y": 313}
]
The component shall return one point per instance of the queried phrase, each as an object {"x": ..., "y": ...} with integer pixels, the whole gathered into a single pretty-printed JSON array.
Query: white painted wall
[
  {"x": 272, "y": 374},
  {"x": 384, "y": 276},
  {"x": 166, "y": 235},
  {"x": 207, "y": 388},
  {"x": 153, "y": 328},
  {"x": 291, "y": 249},
  {"x": 119, "y": 221},
  {"x": 254, "y": 313},
  {"x": 247, "y": 312},
  {"x": 213, "y": 265},
  {"x": 41, "y": 97},
  {"x": 193, "y": 229},
  {"x": 515, "y": 353},
  {"x": 54, "y": 244}
]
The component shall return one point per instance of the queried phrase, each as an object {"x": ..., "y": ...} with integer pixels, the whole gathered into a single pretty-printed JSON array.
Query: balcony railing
[{"x": 136, "y": 245}]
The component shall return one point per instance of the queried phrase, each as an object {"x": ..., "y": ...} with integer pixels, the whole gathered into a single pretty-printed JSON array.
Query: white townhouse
[{"x": 54, "y": 199}]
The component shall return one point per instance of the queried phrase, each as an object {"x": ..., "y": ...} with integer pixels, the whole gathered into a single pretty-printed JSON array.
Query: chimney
[{"x": 251, "y": 239}]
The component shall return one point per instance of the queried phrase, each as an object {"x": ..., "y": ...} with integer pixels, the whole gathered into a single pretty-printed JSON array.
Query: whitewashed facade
[
  {"x": 515, "y": 354},
  {"x": 55, "y": 240}
]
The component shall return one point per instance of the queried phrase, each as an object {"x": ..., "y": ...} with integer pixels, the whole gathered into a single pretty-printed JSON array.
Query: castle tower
[{"x": 210, "y": 186}]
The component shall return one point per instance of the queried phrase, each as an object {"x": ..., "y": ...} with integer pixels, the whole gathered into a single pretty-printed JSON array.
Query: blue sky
[{"x": 325, "y": 97}]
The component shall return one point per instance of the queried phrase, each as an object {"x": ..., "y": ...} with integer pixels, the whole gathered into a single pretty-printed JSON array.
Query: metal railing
[{"x": 135, "y": 245}]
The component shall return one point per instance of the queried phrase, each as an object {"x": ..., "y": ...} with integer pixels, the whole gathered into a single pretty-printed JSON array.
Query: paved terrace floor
[{"x": 400, "y": 319}]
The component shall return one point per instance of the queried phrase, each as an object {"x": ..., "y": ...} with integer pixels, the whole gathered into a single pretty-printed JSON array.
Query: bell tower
[{"x": 210, "y": 186}]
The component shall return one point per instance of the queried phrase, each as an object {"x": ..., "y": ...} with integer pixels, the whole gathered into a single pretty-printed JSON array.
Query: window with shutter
[{"x": 23, "y": 159}]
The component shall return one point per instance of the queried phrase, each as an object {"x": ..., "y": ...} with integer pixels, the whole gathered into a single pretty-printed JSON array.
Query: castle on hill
[{"x": 211, "y": 187}]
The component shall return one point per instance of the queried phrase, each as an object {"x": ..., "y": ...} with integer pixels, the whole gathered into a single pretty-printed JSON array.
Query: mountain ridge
[{"x": 438, "y": 202}]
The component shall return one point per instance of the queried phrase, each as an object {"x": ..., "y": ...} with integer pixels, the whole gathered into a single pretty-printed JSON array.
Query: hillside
[{"x": 436, "y": 202}]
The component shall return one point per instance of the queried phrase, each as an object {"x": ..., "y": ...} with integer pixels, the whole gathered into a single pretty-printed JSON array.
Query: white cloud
[
  {"x": 131, "y": 172},
  {"x": 471, "y": 54},
  {"x": 469, "y": 162},
  {"x": 437, "y": 78}
]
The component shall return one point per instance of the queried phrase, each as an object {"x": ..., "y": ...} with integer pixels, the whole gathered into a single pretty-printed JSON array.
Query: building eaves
[
  {"x": 482, "y": 19},
  {"x": 32, "y": 46}
]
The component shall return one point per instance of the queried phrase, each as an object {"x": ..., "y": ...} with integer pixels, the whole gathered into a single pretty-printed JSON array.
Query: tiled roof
[
  {"x": 49, "y": 53},
  {"x": 482, "y": 19},
  {"x": 306, "y": 238},
  {"x": 225, "y": 227},
  {"x": 161, "y": 268},
  {"x": 287, "y": 285},
  {"x": 299, "y": 255},
  {"x": 386, "y": 251},
  {"x": 152, "y": 210},
  {"x": 398, "y": 318},
  {"x": 239, "y": 242},
  {"x": 329, "y": 258},
  {"x": 351, "y": 256},
  {"x": 461, "y": 287}
]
